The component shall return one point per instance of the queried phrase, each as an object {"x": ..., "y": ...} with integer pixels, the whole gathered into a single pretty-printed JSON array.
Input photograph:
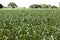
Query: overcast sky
[{"x": 26, "y": 3}]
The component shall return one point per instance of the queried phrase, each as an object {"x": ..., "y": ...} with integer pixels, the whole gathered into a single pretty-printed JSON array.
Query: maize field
[{"x": 30, "y": 24}]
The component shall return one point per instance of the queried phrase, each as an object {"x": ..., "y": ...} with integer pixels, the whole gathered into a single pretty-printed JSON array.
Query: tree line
[
  {"x": 42, "y": 6},
  {"x": 10, "y": 5},
  {"x": 14, "y": 5}
]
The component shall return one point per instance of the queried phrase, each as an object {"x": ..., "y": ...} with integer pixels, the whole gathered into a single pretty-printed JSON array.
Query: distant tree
[
  {"x": 1, "y": 6},
  {"x": 35, "y": 6},
  {"x": 49, "y": 6},
  {"x": 44, "y": 6},
  {"x": 54, "y": 7},
  {"x": 12, "y": 5}
]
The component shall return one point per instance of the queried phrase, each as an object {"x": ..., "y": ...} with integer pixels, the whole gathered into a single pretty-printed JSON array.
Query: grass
[{"x": 30, "y": 24}]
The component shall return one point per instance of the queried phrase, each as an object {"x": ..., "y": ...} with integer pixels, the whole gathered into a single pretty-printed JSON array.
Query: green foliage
[
  {"x": 54, "y": 7},
  {"x": 42, "y": 6},
  {"x": 30, "y": 24},
  {"x": 1, "y": 6},
  {"x": 12, "y": 5},
  {"x": 35, "y": 6}
]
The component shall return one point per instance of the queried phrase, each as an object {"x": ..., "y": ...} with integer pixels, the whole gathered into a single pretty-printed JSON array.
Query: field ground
[{"x": 29, "y": 24}]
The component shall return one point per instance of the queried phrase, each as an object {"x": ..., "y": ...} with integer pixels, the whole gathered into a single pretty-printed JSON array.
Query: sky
[{"x": 27, "y": 3}]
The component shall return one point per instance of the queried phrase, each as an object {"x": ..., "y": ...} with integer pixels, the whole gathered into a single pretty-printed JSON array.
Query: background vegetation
[
  {"x": 14, "y": 5},
  {"x": 42, "y": 6}
]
